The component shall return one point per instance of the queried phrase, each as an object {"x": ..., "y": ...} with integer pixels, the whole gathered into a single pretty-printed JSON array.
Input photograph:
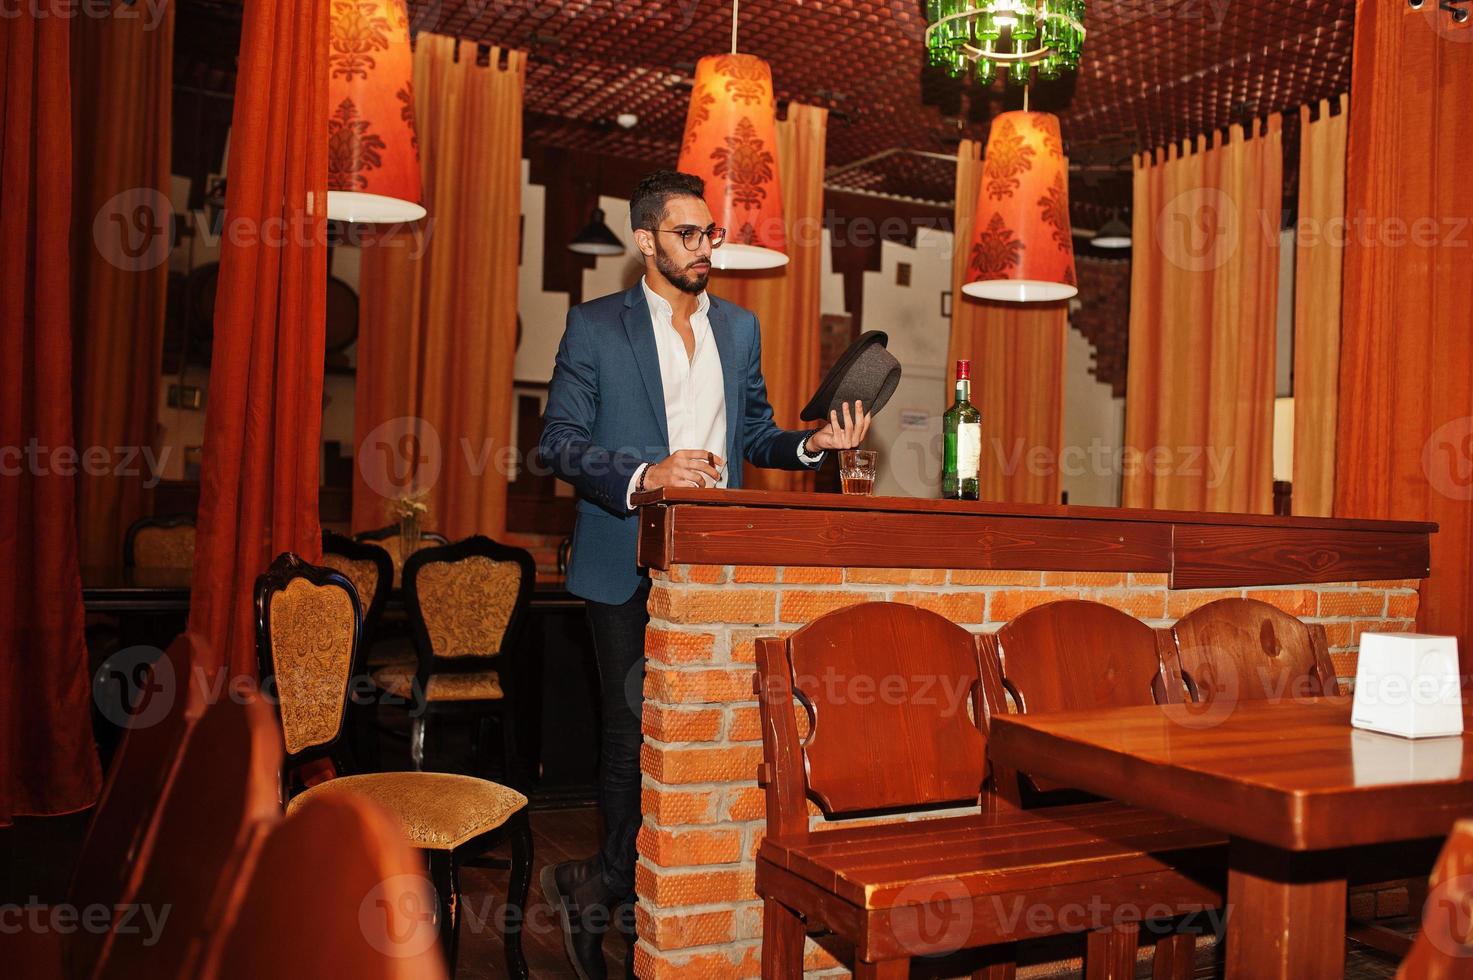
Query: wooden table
[{"x": 1290, "y": 782}]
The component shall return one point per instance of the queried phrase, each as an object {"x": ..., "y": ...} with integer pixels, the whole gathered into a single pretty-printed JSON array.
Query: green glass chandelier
[{"x": 1016, "y": 34}]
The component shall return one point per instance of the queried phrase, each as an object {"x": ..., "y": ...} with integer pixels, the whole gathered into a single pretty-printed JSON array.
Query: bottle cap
[{"x": 963, "y": 370}]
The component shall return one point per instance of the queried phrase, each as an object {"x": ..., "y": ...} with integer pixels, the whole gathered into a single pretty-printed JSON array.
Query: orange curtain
[
  {"x": 122, "y": 76},
  {"x": 1405, "y": 439},
  {"x": 262, "y": 451},
  {"x": 1017, "y": 355},
  {"x": 786, "y": 300},
  {"x": 1320, "y": 253},
  {"x": 1199, "y": 396},
  {"x": 437, "y": 333},
  {"x": 47, "y": 761}
]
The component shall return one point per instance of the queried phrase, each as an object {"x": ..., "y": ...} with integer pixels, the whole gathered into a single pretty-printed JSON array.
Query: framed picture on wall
[{"x": 946, "y": 303}]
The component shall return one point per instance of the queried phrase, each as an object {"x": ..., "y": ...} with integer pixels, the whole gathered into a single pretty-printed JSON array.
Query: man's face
[{"x": 685, "y": 269}]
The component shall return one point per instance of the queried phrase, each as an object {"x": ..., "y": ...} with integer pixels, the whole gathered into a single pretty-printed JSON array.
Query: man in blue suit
[{"x": 657, "y": 386}]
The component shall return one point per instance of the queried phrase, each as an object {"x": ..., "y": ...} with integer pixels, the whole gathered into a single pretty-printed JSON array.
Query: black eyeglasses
[{"x": 692, "y": 235}]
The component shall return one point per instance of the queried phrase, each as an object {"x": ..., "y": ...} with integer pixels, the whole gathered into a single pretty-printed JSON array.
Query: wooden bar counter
[{"x": 731, "y": 565}]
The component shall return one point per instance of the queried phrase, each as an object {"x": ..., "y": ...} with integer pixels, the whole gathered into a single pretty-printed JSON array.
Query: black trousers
[{"x": 618, "y": 643}]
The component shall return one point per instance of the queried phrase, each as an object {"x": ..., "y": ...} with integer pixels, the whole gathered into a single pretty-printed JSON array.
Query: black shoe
[
  {"x": 585, "y": 910},
  {"x": 624, "y": 921}
]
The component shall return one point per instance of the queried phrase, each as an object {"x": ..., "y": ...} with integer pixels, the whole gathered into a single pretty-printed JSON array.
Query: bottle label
[{"x": 969, "y": 450}]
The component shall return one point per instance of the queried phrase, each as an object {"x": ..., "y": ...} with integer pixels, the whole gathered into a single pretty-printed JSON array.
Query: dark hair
[{"x": 647, "y": 206}]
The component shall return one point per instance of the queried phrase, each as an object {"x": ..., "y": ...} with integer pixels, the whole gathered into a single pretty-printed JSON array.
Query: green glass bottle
[{"x": 961, "y": 429}]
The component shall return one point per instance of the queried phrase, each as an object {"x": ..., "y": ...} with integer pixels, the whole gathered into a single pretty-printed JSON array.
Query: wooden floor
[{"x": 557, "y": 835}]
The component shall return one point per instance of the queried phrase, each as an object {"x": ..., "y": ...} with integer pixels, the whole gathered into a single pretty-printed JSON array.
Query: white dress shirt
[{"x": 695, "y": 391}]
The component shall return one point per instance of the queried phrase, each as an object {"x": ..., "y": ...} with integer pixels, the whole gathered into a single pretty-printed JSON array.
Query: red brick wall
[{"x": 704, "y": 815}]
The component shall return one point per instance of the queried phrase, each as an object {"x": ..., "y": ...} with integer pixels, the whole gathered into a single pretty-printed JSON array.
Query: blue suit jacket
[{"x": 606, "y": 415}]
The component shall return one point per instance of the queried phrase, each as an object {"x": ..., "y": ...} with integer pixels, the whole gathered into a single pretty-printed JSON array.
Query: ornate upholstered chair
[
  {"x": 160, "y": 542},
  {"x": 467, "y": 604},
  {"x": 307, "y": 631},
  {"x": 389, "y": 539},
  {"x": 371, "y": 570}
]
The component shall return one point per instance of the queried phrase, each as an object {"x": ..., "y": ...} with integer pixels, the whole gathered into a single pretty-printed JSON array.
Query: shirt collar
[{"x": 659, "y": 305}]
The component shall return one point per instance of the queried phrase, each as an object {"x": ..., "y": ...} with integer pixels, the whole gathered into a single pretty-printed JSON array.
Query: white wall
[
  {"x": 910, "y": 456},
  {"x": 1094, "y": 428}
]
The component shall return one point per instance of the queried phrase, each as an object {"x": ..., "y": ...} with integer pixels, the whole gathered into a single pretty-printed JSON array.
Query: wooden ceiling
[{"x": 1153, "y": 71}]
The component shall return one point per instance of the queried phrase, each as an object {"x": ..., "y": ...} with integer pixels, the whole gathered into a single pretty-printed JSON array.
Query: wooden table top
[{"x": 1293, "y": 774}]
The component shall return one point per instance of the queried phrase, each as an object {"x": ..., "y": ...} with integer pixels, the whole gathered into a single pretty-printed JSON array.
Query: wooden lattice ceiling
[{"x": 1153, "y": 71}]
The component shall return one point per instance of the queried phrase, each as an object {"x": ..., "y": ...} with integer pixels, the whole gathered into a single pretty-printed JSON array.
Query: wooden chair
[
  {"x": 335, "y": 891},
  {"x": 307, "y": 636},
  {"x": 1443, "y": 950},
  {"x": 160, "y": 542},
  {"x": 141, "y": 772},
  {"x": 468, "y": 606},
  {"x": 371, "y": 571},
  {"x": 1075, "y": 655},
  {"x": 221, "y": 799},
  {"x": 893, "y": 696},
  {"x": 1243, "y": 649},
  {"x": 369, "y": 568},
  {"x": 390, "y": 539}
]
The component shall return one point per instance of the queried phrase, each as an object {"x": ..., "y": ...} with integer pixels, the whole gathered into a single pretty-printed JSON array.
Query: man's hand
[
  {"x": 685, "y": 468},
  {"x": 847, "y": 434}
]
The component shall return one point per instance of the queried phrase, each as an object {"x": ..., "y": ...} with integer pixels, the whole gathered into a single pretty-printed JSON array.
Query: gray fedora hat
[{"x": 866, "y": 372}]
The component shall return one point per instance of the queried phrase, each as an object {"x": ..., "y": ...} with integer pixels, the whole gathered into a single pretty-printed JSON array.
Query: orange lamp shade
[
  {"x": 372, "y": 146},
  {"x": 1022, "y": 249},
  {"x": 731, "y": 143}
]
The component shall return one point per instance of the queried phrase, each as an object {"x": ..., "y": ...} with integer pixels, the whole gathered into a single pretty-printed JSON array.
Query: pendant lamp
[
  {"x": 1021, "y": 249},
  {"x": 373, "y": 149},
  {"x": 597, "y": 238},
  {"x": 731, "y": 143},
  {"x": 1112, "y": 234}
]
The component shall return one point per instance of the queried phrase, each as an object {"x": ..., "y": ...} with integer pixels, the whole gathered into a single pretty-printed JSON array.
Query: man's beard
[{"x": 680, "y": 276}]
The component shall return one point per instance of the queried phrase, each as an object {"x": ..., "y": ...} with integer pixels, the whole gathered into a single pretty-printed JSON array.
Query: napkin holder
[{"x": 1407, "y": 684}]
